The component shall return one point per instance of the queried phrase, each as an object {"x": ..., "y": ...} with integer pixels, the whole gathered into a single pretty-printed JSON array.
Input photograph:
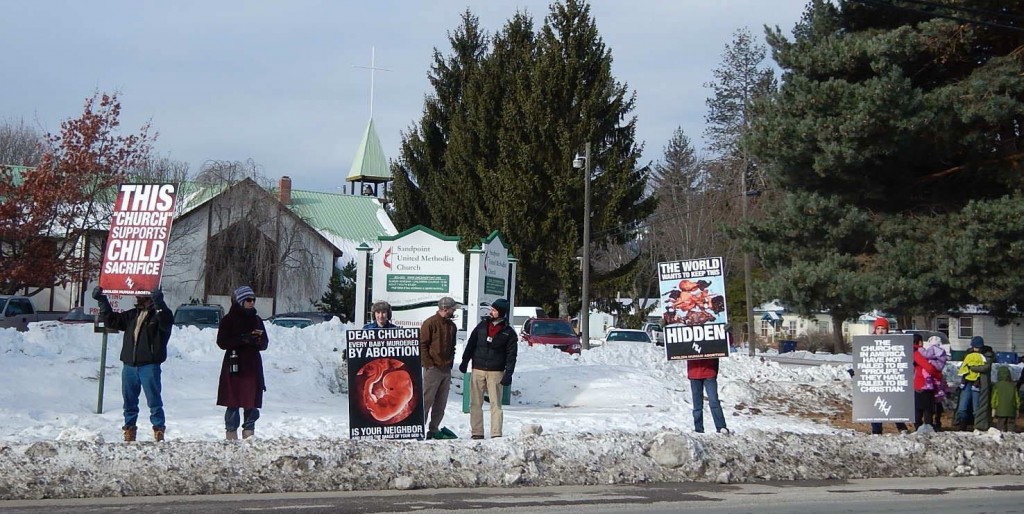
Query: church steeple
[{"x": 370, "y": 166}]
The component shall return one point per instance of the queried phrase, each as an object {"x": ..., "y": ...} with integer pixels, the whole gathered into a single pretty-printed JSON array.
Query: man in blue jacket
[
  {"x": 492, "y": 346},
  {"x": 147, "y": 329}
]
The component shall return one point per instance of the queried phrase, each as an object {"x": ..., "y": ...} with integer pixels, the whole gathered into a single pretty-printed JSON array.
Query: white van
[{"x": 521, "y": 314}]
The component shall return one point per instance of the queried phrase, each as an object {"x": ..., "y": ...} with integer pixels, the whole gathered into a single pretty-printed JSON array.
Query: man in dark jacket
[
  {"x": 492, "y": 346},
  {"x": 147, "y": 329},
  {"x": 983, "y": 412}
]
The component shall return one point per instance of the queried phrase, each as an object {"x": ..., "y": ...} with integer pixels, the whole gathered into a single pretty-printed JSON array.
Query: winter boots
[
  {"x": 232, "y": 435},
  {"x": 129, "y": 433},
  {"x": 158, "y": 434},
  {"x": 247, "y": 433}
]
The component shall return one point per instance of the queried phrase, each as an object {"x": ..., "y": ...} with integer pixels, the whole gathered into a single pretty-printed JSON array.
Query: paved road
[{"x": 944, "y": 495}]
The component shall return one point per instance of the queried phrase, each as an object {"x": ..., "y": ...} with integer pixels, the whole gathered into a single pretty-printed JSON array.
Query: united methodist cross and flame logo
[{"x": 387, "y": 258}]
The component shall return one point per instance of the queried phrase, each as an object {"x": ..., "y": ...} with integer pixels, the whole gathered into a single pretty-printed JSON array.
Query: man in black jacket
[
  {"x": 147, "y": 328},
  {"x": 492, "y": 346}
]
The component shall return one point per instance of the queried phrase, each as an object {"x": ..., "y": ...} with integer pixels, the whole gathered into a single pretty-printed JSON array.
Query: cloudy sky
[{"x": 276, "y": 81}]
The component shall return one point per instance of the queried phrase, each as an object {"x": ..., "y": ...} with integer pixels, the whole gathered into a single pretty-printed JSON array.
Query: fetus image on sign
[{"x": 385, "y": 390}]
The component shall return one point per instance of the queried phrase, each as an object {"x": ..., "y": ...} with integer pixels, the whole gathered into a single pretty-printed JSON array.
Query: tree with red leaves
[{"x": 52, "y": 216}]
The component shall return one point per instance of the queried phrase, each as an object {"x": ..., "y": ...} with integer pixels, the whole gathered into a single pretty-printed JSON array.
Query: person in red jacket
[
  {"x": 703, "y": 375},
  {"x": 926, "y": 377}
]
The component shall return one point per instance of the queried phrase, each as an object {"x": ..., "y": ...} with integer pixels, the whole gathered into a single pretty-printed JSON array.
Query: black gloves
[
  {"x": 463, "y": 367},
  {"x": 97, "y": 293},
  {"x": 507, "y": 379},
  {"x": 158, "y": 298}
]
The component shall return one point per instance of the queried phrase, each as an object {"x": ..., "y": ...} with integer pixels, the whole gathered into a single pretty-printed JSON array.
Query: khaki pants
[
  {"x": 436, "y": 384},
  {"x": 491, "y": 382}
]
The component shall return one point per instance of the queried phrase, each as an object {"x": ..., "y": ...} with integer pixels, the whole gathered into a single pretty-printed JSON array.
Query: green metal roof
[
  {"x": 369, "y": 165},
  {"x": 356, "y": 218},
  {"x": 16, "y": 173}
]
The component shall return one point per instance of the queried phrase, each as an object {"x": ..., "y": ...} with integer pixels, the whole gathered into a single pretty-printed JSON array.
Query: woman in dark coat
[{"x": 242, "y": 336}]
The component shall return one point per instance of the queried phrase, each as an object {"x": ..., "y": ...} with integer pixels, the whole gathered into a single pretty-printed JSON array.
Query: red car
[{"x": 555, "y": 332}]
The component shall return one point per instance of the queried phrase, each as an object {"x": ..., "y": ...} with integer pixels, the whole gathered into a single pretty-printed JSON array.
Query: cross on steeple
[{"x": 373, "y": 68}]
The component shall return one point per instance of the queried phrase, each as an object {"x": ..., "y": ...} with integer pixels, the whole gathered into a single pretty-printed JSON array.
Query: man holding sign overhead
[{"x": 140, "y": 228}]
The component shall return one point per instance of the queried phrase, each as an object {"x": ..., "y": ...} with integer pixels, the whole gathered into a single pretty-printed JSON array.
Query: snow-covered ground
[{"x": 615, "y": 414}]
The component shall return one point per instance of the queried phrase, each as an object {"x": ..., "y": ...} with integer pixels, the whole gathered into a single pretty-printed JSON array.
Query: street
[{"x": 946, "y": 495}]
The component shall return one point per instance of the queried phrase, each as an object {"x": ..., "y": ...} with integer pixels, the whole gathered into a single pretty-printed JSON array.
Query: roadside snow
[{"x": 616, "y": 414}]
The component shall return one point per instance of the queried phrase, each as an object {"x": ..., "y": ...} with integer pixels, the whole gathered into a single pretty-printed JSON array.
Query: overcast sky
[{"x": 275, "y": 81}]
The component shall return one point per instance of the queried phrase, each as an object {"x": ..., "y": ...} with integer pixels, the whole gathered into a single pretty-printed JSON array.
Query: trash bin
[
  {"x": 787, "y": 346},
  {"x": 506, "y": 392}
]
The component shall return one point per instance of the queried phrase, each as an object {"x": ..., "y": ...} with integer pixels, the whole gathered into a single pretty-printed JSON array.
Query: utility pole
[
  {"x": 585, "y": 300},
  {"x": 747, "y": 266}
]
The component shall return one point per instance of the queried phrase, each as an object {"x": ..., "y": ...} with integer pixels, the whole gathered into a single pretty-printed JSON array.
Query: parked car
[
  {"x": 291, "y": 322},
  {"x": 18, "y": 312},
  {"x": 78, "y": 315},
  {"x": 627, "y": 335},
  {"x": 521, "y": 314},
  {"x": 555, "y": 332},
  {"x": 655, "y": 332},
  {"x": 312, "y": 316},
  {"x": 198, "y": 315}
]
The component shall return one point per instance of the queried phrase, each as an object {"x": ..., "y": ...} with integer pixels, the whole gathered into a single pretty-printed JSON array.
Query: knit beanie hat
[
  {"x": 242, "y": 293},
  {"x": 933, "y": 341},
  {"x": 501, "y": 305},
  {"x": 977, "y": 342},
  {"x": 881, "y": 322}
]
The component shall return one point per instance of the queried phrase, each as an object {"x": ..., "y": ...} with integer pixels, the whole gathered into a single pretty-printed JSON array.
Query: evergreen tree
[
  {"x": 425, "y": 192},
  {"x": 495, "y": 146},
  {"x": 913, "y": 120},
  {"x": 340, "y": 297}
]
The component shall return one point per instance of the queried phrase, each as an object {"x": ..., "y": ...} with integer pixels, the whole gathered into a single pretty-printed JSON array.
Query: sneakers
[
  {"x": 158, "y": 433},
  {"x": 129, "y": 433}
]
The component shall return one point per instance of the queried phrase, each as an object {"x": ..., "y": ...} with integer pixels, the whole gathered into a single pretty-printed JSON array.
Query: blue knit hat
[
  {"x": 242, "y": 293},
  {"x": 977, "y": 342}
]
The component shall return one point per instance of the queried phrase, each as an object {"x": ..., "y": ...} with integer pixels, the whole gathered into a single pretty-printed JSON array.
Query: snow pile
[{"x": 616, "y": 414}]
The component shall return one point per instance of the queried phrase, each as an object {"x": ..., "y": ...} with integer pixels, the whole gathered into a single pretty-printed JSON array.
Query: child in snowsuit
[{"x": 1005, "y": 401}]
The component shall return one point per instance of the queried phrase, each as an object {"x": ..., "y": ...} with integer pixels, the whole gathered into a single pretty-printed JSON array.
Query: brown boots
[
  {"x": 232, "y": 435},
  {"x": 131, "y": 433}
]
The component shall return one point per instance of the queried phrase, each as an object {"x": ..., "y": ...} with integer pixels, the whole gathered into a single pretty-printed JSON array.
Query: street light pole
[
  {"x": 583, "y": 163},
  {"x": 747, "y": 265}
]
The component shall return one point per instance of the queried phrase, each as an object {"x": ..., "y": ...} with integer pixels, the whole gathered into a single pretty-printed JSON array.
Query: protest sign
[
  {"x": 140, "y": 229},
  {"x": 695, "y": 316}
]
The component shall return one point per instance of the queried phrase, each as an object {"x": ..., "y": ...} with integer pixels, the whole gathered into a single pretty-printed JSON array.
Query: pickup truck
[{"x": 18, "y": 312}]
